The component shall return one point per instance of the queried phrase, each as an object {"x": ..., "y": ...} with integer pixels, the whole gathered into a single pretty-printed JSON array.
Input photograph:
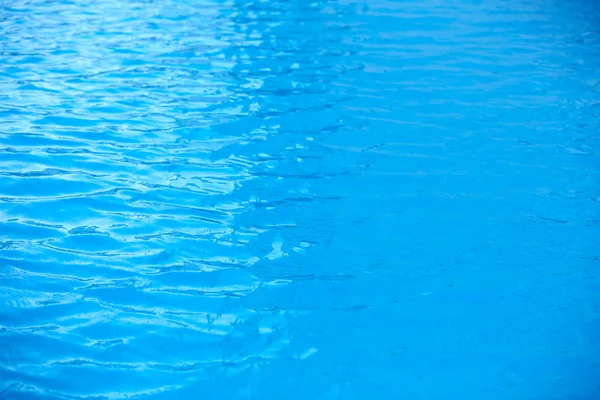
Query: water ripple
[{"x": 286, "y": 199}]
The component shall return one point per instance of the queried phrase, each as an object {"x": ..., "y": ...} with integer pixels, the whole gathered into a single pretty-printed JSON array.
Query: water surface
[{"x": 299, "y": 200}]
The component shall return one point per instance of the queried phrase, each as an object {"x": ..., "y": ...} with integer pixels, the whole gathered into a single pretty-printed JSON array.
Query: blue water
[{"x": 300, "y": 200}]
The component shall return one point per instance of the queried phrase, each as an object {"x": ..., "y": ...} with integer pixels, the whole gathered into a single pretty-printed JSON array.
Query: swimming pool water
[{"x": 299, "y": 200}]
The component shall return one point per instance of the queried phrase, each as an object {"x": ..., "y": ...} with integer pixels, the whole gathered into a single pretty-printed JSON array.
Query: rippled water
[{"x": 295, "y": 200}]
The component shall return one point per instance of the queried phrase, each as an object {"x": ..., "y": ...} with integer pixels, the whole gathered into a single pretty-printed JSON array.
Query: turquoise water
[{"x": 300, "y": 200}]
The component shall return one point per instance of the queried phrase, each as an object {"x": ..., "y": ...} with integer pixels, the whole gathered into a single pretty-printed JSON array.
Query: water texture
[{"x": 300, "y": 200}]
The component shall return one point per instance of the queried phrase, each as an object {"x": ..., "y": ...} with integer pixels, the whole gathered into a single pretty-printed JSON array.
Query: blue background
[{"x": 299, "y": 200}]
